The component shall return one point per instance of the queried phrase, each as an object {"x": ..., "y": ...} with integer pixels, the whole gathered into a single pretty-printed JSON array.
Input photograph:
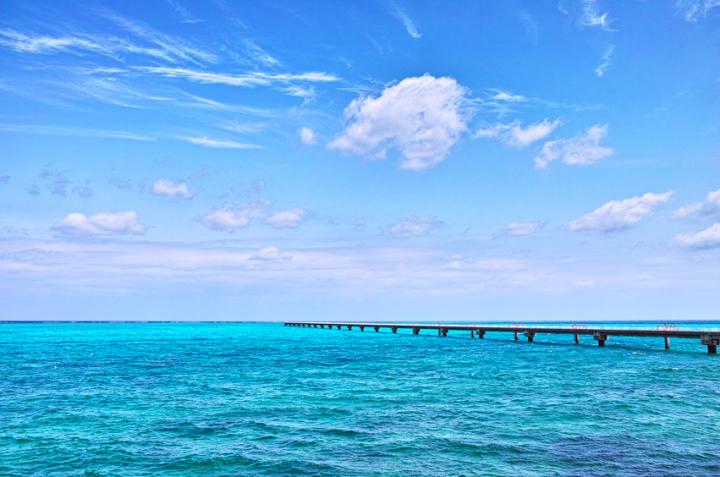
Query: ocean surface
[{"x": 131, "y": 399}]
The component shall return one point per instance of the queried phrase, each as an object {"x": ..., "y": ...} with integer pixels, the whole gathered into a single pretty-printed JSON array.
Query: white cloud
[
  {"x": 582, "y": 149},
  {"x": 171, "y": 189},
  {"x": 520, "y": 229},
  {"x": 508, "y": 97},
  {"x": 72, "y": 131},
  {"x": 287, "y": 219},
  {"x": 602, "y": 67},
  {"x": 620, "y": 214},
  {"x": 174, "y": 47},
  {"x": 422, "y": 117},
  {"x": 304, "y": 92},
  {"x": 414, "y": 227},
  {"x": 161, "y": 46},
  {"x": 260, "y": 55},
  {"x": 513, "y": 134},
  {"x": 244, "y": 127},
  {"x": 407, "y": 22},
  {"x": 307, "y": 136},
  {"x": 593, "y": 18},
  {"x": 183, "y": 12},
  {"x": 694, "y": 10},
  {"x": 710, "y": 206},
  {"x": 218, "y": 143},
  {"x": 91, "y": 266},
  {"x": 119, "y": 223},
  {"x": 234, "y": 217},
  {"x": 270, "y": 254},
  {"x": 247, "y": 79},
  {"x": 708, "y": 238}
]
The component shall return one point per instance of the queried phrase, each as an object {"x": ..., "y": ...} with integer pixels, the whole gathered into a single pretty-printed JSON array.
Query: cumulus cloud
[
  {"x": 422, "y": 117},
  {"x": 287, "y": 219},
  {"x": 169, "y": 188},
  {"x": 708, "y": 238},
  {"x": 119, "y": 223},
  {"x": 710, "y": 206},
  {"x": 520, "y": 229},
  {"x": 307, "y": 136},
  {"x": 582, "y": 149},
  {"x": 620, "y": 214},
  {"x": 234, "y": 217},
  {"x": 414, "y": 227},
  {"x": 515, "y": 135}
]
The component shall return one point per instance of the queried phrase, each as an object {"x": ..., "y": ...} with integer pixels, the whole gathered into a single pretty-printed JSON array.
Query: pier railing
[{"x": 709, "y": 337}]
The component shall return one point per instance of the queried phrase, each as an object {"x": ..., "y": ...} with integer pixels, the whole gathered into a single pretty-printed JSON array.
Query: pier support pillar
[
  {"x": 667, "y": 342},
  {"x": 711, "y": 341},
  {"x": 416, "y": 331},
  {"x": 394, "y": 329},
  {"x": 377, "y": 328},
  {"x": 516, "y": 335},
  {"x": 600, "y": 338},
  {"x": 349, "y": 327},
  {"x": 530, "y": 336},
  {"x": 577, "y": 338},
  {"x": 362, "y": 328},
  {"x": 339, "y": 327},
  {"x": 481, "y": 334},
  {"x": 442, "y": 332},
  {"x": 472, "y": 333}
]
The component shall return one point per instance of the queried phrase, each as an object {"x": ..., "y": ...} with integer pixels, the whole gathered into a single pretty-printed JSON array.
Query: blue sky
[{"x": 220, "y": 160}]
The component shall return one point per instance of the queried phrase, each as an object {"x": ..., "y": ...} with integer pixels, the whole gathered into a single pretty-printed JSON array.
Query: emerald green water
[{"x": 262, "y": 399}]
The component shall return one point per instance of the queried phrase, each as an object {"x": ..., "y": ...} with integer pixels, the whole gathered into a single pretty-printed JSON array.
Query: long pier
[{"x": 709, "y": 338}]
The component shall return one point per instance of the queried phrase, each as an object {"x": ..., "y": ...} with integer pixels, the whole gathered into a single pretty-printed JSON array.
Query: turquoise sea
[{"x": 262, "y": 399}]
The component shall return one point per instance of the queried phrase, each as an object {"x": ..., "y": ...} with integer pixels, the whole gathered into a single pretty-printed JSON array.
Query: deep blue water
[{"x": 262, "y": 399}]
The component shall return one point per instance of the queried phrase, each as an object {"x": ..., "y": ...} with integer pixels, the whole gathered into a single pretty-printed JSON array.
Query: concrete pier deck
[{"x": 709, "y": 338}]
